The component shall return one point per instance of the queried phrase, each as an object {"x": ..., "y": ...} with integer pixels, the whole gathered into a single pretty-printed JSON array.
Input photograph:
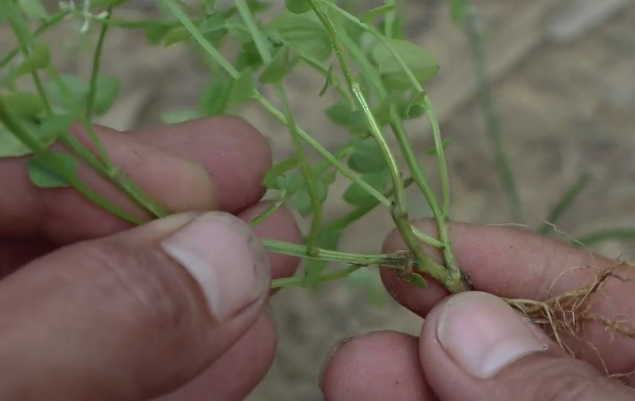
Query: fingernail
[
  {"x": 226, "y": 259},
  {"x": 483, "y": 334},
  {"x": 330, "y": 356}
]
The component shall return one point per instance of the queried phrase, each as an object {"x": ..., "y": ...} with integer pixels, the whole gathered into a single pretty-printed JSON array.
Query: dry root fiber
[{"x": 565, "y": 315}]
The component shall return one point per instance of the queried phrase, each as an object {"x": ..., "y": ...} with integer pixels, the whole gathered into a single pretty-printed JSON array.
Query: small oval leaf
[
  {"x": 415, "y": 58},
  {"x": 44, "y": 177},
  {"x": 367, "y": 157},
  {"x": 38, "y": 59},
  {"x": 298, "y": 6}
]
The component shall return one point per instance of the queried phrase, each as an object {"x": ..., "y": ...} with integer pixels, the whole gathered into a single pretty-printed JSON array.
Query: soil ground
[{"x": 565, "y": 107}]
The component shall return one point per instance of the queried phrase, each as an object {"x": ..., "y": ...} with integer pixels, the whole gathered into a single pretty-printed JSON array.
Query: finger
[
  {"x": 235, "y": 154},
  {"x": 132, "y": 316},
  {"x": 476, "y": 347},
  {"x": 229, "y": 379},
  {"x": 519, "y": 264},
  {"x": 381, "y": 366},
  {"x": 237, "y": 373},
  {"x": 506, "y": 261},
  {"x": 177, "y": 182},
  {"x": 280, "y": 226}
]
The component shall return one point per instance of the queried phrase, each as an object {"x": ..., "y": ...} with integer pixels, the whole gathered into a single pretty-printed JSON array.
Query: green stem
[
  {"x": 92, "y": 91},
  {"x": 305, "y": 168},
  {"x": 440, "y": 214},
  {"x": 22, "y": 34},
  {"x": 397, "y": 260},
  {"x": 226, "y": 65},
  {"x": 301, "y": 281},
  {"x": 436, "y": 132},
  {"x": 48, "y": 159},
  {"x": 567, "y": 199},
  {"x": 53, "y": 20},
  {"x": 398, "y": 207},
  {"x": 492, "y": 123}
]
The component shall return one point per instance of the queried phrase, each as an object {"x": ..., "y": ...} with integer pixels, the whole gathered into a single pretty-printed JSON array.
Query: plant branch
[{"x": 305, "y": 168}]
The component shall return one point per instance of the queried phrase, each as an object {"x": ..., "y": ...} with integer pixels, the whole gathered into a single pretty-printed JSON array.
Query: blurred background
[{"x": 563, "y": 90}]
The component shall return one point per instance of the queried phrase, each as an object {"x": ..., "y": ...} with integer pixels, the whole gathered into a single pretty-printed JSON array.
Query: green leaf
[
  {"x": 417, "y": 281},
  {"x": 212, "y": 23},
  {"x": 179, "y": 116},
  {"x": 444, "y": 144},
  {"x": 301, "y": 199},
  {"x": 33, "y": 9},
  {"x": 39, "y": 58},
  {"x": 298, "y": 6},
  {"x": 367, "y": 157},
  {"x": 373, "y": 13},
  {"x": 215, "y": 97},
  {"x": 243, "y": 89},
  {"x": 277, "y": 170},
  {"x": 23, "y": 104},
  {"x": 416, "y": 106},
  {"x": 340, "y": 112},
  {"x": 358, "y": 196},
  {"x": 458, "y": 10},
  {"x": 177, "y": 35},
  {"x": 10, "y": 146},
  {"x": 156, "y": 31},
  {"x": 417, "y": 59},
  {"x": 46, "y": 132},
  {"x": 49, "y": 130},
  {"x": 107, "y": 91},
  {"x": 44, "y": 177},
  {"x": 304, "y": 34},
  {"x": 281, "y": 65}
]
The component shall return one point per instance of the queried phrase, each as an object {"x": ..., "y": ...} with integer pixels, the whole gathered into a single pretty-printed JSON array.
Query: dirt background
[{"x": 564, "y": 92}]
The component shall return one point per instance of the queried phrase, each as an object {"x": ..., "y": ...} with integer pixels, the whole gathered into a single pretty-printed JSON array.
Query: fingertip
[
  {"x": 232, "y": 151},
  {"x": 353, "y": 371},
  {"x": 280, "y": 226}
]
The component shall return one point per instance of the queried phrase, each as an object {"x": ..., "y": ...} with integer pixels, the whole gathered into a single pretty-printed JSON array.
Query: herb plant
[{"x": 363, "y": 56}]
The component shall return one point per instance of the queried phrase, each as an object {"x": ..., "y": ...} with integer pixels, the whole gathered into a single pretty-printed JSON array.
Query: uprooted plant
[{"x": 364, "y": 58}]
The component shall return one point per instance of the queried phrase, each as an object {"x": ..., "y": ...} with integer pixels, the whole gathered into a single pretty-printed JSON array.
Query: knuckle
[{"x": 141, "y": 286}]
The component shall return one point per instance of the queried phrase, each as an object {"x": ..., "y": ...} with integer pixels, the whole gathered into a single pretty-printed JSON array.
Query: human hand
[
  {"x": 92, "y": 309},
  {"x": 473, "y": 346}
]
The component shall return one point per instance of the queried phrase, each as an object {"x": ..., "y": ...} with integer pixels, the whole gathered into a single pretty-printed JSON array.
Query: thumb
[
  {"x": 475, "y": 347},
  {"x": 132, "y": 316}
]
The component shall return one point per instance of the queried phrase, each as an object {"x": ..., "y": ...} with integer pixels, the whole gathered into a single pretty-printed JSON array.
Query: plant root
[{"x": 564, "y": 316}]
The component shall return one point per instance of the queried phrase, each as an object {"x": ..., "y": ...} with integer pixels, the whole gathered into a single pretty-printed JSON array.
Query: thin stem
[
  {"x": 440, "y": 214},
  {"x": 563, "y": 204},
  {"x": 301, "y": 281},
  {"x": 226, "y": 65},
  {"x": 305, "y": 168},
  {"x": 427, "y": 103},
  {"x": 53, "y": 20},
  {"x": 398, "y": 207},
  {"x": 346, "y": 171},
  {"x": 46, "y": 157},
  {"x": 92, "y": 91},
  {"x": 22, "y": 34},
  {"x": 492, "y": 123},
  {"x": 399, "y": 259}
]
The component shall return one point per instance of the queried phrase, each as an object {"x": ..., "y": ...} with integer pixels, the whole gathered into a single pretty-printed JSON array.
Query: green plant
[
  {"x": 385, "y": 90},
  {"x": 363, "y": 56}
]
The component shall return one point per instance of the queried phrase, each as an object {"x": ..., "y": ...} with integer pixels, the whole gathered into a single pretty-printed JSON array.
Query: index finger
[
  {"x": 512, "y": 263},
  {"x": 199, "y": 165}
]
